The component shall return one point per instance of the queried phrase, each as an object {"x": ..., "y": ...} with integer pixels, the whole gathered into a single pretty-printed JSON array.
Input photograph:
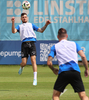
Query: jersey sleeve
[
  {"x": 52, "y": 51},
  {"x": 78, "y": 47},
  {"x": 34, "y": 27},
  {"x": 18, "y": 28}
]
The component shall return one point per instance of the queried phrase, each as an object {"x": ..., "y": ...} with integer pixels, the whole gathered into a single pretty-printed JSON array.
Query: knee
[
  {"x": 83, "y": 96},
  {"x": 33, "y": 60},
  {"x": 56, "y": 95},
  {"x": 23, "y": 64}
]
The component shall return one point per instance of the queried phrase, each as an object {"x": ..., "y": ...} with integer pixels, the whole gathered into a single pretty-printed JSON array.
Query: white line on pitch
[{"x": 63, "y": 92}]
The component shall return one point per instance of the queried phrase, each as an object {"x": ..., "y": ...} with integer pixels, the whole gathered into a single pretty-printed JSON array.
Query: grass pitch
[{"x": 19, "y": 87}]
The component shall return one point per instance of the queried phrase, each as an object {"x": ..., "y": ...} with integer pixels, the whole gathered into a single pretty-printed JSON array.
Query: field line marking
[{"x": 63, "y": 92}]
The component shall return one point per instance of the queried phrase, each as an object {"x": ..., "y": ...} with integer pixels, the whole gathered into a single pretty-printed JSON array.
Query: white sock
[
  {"x": 35, "y": 75},
  {"x": 21, "y": 68}
]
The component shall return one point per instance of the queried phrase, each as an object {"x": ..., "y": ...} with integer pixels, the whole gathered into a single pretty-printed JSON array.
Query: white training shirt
[
  {"x": 26, "y": 31},
  {"x": 66, "y": 52}
]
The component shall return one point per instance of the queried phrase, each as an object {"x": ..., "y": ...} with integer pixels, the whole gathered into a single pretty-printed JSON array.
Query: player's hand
[
  {"x": 86, "y": 73},
  {"x": 48, "y": 22},
  {"x": 55, "y": 71},
  {"x": 13, "y": 19}
]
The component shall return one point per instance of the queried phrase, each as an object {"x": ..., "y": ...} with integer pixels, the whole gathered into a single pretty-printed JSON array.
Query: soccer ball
[{"x": 26, "y": 5}]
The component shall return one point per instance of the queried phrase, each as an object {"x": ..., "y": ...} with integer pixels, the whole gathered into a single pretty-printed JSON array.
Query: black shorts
[
  {"x": 28, "y": 48},
  {"x": 69, "y": 77}
]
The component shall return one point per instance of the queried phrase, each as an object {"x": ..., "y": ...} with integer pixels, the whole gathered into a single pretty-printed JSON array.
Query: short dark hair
[
  {"x": 23, "y": 14},
  {"x": 62, "y": 32}
]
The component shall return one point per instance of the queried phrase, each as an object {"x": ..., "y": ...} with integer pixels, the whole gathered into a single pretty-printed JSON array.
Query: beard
[{"x": 24, "y": 21}]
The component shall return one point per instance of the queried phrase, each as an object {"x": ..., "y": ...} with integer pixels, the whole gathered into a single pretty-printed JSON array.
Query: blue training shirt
[
  {"x": 35, "y": 28},
  {"x": 66, "y": 59}
]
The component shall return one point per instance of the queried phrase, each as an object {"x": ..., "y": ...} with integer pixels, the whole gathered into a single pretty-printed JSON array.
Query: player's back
[{"x": 66, "y": 51}]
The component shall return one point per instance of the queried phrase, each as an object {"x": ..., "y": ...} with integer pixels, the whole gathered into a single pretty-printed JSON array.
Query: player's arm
[
  {"x": 50, "y": 58},
  {"x": 84, "y": 60},
  {"x": 41, "y": 30},
  {"x": 49, "y": 63},
  {"x": 14, "y": 30},
  {"x": 85, "y": 63}
]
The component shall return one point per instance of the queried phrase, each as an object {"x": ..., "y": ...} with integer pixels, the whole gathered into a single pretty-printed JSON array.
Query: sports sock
[
  {"x": 35, "y": 75},
  {"x": 21, "y": 67}
]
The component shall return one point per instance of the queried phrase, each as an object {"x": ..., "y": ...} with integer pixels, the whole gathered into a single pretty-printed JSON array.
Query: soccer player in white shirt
[
  {"x": 28, "y": 38},
  {"x": 69, "y": 72}
]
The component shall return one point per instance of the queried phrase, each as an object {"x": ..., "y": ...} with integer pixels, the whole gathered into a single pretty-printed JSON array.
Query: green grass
[{"x": 19, "y": 87}]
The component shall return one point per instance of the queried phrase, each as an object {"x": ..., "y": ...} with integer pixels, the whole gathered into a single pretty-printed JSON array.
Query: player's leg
[
  {"x": 22, "y": 64},
  {"x": 56, "y": 95},
  {"x": 24, "y": 56},
  {"x": 83, "y": 96},
  {"x": 60, "y": 84},
  {"x": 34, "y": 65},
  {"x": 33, "y": 61},
  {"x": 32, "y": 52},
  {"x": 77, "y": 84}
]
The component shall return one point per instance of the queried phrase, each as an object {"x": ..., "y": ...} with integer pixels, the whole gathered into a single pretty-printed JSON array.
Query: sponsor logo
[{"x": 10, "y": 53}]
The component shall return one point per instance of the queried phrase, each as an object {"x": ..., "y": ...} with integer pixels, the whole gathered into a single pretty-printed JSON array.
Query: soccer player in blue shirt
[
  {"x": 28, "y": 37},
  {"x": 68, "y": 72}
]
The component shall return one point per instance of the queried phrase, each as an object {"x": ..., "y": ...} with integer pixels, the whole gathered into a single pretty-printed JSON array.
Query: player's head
[
  {"x": 62, "y": 33},
  {"x": 24, "y": 17}
]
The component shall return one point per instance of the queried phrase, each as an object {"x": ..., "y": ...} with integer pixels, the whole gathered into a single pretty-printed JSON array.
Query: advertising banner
[
  {"x": 10, "y": 51},
  {"x": 73, "y": 15}
]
